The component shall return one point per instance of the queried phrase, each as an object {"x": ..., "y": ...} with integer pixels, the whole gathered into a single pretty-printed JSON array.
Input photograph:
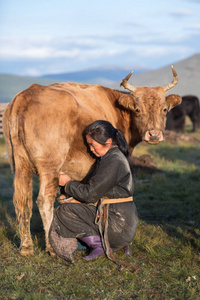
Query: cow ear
[
  {"x": 173, "y": 100},
  {"x": 127, "y": 101}
]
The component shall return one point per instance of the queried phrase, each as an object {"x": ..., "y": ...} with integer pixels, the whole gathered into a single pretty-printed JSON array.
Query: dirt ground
[{"x": 173, "y": 137}]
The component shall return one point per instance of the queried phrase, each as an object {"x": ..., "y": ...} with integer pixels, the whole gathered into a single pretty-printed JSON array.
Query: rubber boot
[{"x": 94, "y": 242}]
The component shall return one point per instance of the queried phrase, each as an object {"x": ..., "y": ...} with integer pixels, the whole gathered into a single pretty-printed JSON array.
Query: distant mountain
[
  {"x": 10, "y": 85},
  {"x": 102, "y": 75},
  {"x": 188, "y": 71}
]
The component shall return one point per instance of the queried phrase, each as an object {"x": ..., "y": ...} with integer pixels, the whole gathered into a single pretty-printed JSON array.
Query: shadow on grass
[
  {"x": 171, "y": 200},
  {"x": 191, "y": 237},
  {"x": 188, "y": 154},
  {"x": 7, "y": 210},
  {"x": 9, "y": 226}
]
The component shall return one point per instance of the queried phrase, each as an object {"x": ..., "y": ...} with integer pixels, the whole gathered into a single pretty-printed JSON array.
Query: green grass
[{"x": 166, "y": 247}]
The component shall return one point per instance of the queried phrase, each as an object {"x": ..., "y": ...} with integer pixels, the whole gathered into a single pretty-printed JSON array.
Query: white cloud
[
  {"x": 81, "y": 47},
  {"x": 55, "y": 54},
  {"x": 182, "y": 13},
  {"x": 33, "y": 72},
  {"x": 194, "y": 26},
  {"x": 73, "y": 35}
]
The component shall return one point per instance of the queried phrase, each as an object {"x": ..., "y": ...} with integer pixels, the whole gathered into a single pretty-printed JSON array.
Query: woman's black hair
[{"x": 101, "y": 131}]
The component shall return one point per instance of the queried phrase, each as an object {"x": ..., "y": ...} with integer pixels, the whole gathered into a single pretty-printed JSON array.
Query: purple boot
[{"x": 94, "y": 242}]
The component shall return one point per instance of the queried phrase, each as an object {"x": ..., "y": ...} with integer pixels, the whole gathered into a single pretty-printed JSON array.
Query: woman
[{"x": 111, "y": 224}]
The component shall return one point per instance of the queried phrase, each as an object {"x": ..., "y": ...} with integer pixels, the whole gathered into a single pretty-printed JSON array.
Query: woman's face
[{"x": 98, "y": 149}]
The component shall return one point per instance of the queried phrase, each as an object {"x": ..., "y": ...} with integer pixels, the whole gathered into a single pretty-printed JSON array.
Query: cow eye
[
  {"x": 137, "y": 110},
  {"x": 165, "y": 110}
]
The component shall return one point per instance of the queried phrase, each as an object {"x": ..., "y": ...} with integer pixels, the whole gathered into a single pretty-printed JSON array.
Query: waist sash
[{"x": 102, "y": 221}]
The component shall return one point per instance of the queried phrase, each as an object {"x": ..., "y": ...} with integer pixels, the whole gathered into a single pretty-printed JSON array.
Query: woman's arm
[{"x": 110, "y": 172}]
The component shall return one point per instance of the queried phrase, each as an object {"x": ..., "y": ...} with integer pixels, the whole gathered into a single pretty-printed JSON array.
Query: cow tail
[
  {"x": 11, "y": 127},
  {"x": 7, "y": 129}
]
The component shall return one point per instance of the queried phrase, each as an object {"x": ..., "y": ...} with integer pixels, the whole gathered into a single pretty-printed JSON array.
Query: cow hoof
[
  {"x": 50, "y": 251},
  {"x": 26, "y": 252}
]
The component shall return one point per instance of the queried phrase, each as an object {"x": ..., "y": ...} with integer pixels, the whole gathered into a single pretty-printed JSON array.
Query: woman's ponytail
[{"x": 121, "y": 142}]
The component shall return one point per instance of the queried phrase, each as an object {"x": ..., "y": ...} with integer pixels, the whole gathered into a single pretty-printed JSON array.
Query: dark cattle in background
[
  {"x": 176, "y": 119},
  {"x": 43, "y": 128},
  {"x": 189, "y": 107},
  {"x": 192, "y": 109}
]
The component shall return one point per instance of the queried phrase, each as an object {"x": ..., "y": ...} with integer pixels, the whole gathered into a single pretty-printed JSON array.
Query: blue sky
[{"x": 56, "y": 36}]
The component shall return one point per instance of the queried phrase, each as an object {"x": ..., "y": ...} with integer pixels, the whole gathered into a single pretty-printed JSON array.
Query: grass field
[{"x": 166, "y": 249}]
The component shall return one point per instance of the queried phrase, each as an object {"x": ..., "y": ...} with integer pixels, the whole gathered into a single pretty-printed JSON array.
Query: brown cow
[{"x": 43, "y": 128}]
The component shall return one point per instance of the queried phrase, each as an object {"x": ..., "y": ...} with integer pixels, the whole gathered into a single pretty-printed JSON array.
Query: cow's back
[
  {"x": 93, "y": 99},
  {"x": 62, "y": 111},
  {"x": 47, "y": 122}
]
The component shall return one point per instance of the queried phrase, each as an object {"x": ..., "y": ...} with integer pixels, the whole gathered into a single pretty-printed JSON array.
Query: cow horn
[
  {"x": 173, "y": 83},
  {"x": 125, "y": 83}
]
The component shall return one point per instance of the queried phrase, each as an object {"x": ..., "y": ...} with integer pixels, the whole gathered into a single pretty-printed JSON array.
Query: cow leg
[
  {"x": 22, "y": 200},
  {"x": 194, "y": 121},
  {"x": 45, "y": 202}
]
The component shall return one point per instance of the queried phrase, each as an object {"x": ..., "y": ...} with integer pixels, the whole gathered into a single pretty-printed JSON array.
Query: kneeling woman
[{"x": 106, "y": 219}]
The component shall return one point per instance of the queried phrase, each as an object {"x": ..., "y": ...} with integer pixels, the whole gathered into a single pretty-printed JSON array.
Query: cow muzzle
[{"x": 153, "y": 137}]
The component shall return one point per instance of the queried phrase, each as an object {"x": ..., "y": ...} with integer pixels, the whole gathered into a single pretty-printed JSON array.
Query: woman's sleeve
[{"x": 105, "y": 178}]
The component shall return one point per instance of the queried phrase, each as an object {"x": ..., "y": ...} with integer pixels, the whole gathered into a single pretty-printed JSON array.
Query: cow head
[{"x": 149, "y": 107}]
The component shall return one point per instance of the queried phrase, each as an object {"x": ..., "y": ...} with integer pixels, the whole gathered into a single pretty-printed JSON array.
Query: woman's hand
[{"x": 63, "y": 178}]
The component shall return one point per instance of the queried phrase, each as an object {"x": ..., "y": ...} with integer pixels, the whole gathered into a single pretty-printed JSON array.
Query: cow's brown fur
[{"x": 43, "y": 128}]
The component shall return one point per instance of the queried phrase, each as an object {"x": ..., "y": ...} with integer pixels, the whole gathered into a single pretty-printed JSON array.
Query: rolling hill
[
  {"x": 106, "y": 75},
  {"x": 188, "y": 71},
  {"x": 10, "y": 85}
]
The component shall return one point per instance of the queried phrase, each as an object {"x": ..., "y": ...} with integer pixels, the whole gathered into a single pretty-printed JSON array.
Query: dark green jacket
[{"x": 112, "y": 178}]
